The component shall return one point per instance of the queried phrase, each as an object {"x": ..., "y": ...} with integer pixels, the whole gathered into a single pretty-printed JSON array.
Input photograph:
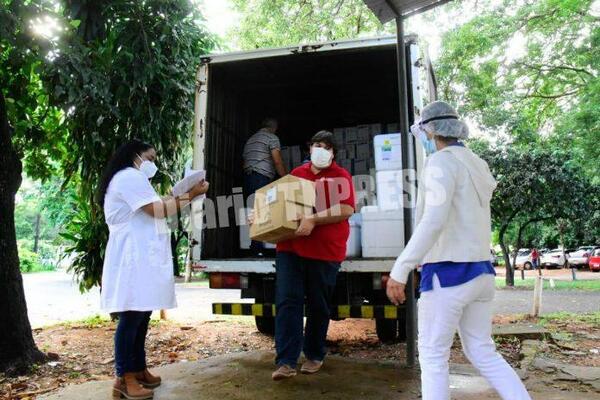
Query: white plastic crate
[
  {"x": 389, "y": 190},
  {"x": 382, "y": 232},
  {"x": 388, "y": 152},
  {"x": 353, "y": 245}
]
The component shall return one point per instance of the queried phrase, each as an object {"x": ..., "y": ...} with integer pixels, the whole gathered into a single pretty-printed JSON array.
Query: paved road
[{"x": 53, "y": 297}]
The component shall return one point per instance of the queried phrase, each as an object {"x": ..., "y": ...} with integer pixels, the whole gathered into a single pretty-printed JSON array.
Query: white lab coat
[
  {"x": 138, "y": 267},
  {"x": 453, "y": 212}
]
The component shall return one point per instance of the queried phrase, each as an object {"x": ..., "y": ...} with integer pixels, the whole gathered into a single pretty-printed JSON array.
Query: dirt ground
[{"x": 84, "y": 351}]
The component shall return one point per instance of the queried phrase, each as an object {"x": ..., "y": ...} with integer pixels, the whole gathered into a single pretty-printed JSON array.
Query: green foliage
[
  {"x": 31, "y": 262},
  {"x": 125, "y": 71},
  {"x": 529, "y": 70},
  {"x": 89, "y": 235},
  {"x": 39, "y": 132},
  {"x": 536, "y": 185},
  {"x": 276, "y": 23}
]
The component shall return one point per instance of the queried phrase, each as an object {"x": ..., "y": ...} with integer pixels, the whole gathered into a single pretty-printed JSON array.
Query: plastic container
[
  {"x": 353, "y": 245},
  {"x": 389, "y": 190},
  {"x": 382, "y": 232},
  {"x": 388, "y": 152}
]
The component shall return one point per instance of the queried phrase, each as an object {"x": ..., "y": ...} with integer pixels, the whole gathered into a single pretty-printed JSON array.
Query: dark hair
[
  {"x": 269, "y": 123},
  {"x": 122, "y": 159},
  {"x": 327, "y": 138}
]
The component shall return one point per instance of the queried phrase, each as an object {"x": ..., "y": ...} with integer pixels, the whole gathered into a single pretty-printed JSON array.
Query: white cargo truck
[{"x": 307, "y": 88}]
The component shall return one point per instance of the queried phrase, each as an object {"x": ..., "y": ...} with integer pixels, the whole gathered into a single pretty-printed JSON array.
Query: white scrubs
[{"x": 138, "y": 267}]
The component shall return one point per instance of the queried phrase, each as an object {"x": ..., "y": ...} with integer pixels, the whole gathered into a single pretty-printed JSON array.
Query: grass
[
  {"x": 589, "y": 318},
  {"x": 583, "y": 284},
  {"x": 99, "y": 321},
  {"x": 37, "y": 268}
]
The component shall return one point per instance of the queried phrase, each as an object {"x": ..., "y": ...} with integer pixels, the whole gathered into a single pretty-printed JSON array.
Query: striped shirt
[{"x": 257, "y": 153}]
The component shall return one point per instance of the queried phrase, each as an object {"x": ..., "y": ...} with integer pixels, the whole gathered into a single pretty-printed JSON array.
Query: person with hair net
[{"x": 452, "y": 244}]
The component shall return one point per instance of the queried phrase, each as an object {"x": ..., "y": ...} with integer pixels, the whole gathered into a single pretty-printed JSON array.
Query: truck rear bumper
[{"x": 337, "y": 312}]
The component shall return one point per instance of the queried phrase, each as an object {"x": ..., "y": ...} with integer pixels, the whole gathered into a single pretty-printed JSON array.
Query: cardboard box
[
  {"x": 392, "y": 128},
  {"x": 350, "y": 151},
  {"x": 351, "y": 134},
  {"x": 295, "y": 156},
  {"x": 286, "y": 157},
  {"x": 277, "y": 205},
  {"x": 363, "y": 133},
  {"x": 346, "y": 164},
  {"x": 360, "y": 167},
  {"x": 363, "y": 151},
  {"x": 376, "y": 129},
  {"x": 339, "y": 136}
]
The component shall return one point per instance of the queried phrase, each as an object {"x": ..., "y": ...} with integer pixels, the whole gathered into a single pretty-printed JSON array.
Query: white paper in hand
[{"x": 192, "y": 177}]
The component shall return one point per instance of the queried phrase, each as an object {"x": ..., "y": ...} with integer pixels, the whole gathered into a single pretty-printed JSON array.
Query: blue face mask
[{"x": 428, "y": 144}]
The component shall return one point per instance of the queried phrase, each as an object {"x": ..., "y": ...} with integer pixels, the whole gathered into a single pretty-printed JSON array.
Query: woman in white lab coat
[
  {"x": 452, "y": 243},
  {"x": 137, "y": 276}
]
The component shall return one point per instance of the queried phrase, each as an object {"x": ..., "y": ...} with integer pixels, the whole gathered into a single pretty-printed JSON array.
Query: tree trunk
[
  {"x": 510, "y": 273},
  {"x": 174, "y": 255},
  {"x": 36, "y": 240},
  {"x": 17, "y": 347}
]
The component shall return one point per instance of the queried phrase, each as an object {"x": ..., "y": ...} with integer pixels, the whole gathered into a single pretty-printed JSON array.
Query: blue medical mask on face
[
  {"x": 428, "y": 144},
  {"x": 418, "y": 131}
]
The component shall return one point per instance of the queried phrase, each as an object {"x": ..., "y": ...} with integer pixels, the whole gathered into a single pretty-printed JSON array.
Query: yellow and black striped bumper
[{"x": 340, "y": 311}]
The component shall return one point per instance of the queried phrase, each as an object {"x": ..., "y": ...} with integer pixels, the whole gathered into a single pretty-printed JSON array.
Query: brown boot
[
  {"x": 147, "y": 380},
  {"x": 128, "y": 387}
]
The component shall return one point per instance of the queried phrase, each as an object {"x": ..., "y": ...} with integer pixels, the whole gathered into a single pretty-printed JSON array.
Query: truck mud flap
[{"x": 337, "y": 312}]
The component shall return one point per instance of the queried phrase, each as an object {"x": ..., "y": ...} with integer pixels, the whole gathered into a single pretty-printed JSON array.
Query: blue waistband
[{"x": 453, "y": 273}]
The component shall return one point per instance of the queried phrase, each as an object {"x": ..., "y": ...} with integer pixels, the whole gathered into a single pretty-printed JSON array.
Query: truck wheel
[
  {"x": 265, "y": 325},
  {"x": 387, "y": 330}
]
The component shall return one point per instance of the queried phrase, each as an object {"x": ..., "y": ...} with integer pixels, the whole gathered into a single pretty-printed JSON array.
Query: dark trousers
[
  {"x": 130, "y": 341},
  {"x": 299, "y": 278},
  {"x": 252, "y": 182}
]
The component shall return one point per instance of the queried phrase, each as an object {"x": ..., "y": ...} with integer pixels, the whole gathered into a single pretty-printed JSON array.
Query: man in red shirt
[{"x": 307, "y": 265}]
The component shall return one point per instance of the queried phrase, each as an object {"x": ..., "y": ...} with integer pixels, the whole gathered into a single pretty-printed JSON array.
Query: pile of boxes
[
  {"x": 291, "y": 156},
  {"x": 374, "y": 159}
]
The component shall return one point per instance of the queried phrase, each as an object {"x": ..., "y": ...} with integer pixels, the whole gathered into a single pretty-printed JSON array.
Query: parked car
[
  {"x": 581, "y": 256},
  {"x": 594, "y": 261},
  {"x": 523, "y": 259},
  {"x": 554, "y": 258},
  {"x": 493, "y": 258}
]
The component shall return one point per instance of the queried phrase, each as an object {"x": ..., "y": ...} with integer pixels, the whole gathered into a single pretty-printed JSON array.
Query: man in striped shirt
[{"x": 262, "y": 162}]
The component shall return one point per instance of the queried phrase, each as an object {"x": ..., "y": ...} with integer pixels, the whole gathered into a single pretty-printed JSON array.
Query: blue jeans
[
  {"x": 297, "y": 278},
  {"x": 130, "y": 340},
  {"x": 252, "y": 182}
]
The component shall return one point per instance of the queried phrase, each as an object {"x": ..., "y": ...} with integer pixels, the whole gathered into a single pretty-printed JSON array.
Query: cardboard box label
[{"x": 271, "y": 195}]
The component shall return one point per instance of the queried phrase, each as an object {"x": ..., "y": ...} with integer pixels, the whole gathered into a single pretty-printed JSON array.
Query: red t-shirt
[{"x": 326, "y": 242}]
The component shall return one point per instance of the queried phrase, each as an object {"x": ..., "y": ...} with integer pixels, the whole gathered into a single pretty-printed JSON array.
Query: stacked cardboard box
[
  {"x": 355, "y": 143},
  {"x": 292, "y": 157},
  {"x": 277, "y": 206}
]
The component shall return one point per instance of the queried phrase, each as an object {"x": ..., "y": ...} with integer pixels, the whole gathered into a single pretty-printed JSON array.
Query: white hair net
[{"x": 452, "y": 127}]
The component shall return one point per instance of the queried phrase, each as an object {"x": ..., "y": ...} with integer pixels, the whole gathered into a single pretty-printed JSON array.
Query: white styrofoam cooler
[
  {"x": 382, "y": 232},
  {"x": 388, "y": 152},
  {"x": 389, "y": 190},
  {"x": 353, "y": 245}
]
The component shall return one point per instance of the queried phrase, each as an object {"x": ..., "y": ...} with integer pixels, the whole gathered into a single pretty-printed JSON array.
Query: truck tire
[
  {"x": 387, "y": 330},
  {"x": 265, "y": 325},
  {"x": 391, "y": 330}
]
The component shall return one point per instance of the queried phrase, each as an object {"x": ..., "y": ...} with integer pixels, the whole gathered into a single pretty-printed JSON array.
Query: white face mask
[
  {"x": 320, "y": 157},
  {"x": 148, "y": 168}
]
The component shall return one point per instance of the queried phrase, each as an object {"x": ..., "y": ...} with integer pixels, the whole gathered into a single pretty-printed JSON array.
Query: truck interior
[{"x": 305, "y": 92}]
